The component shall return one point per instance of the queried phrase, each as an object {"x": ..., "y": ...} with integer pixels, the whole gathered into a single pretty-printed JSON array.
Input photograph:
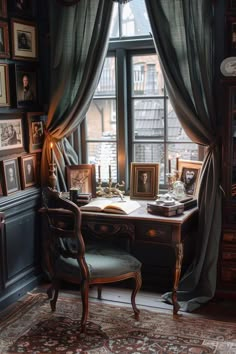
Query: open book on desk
[{"x": 109, "y": 206}]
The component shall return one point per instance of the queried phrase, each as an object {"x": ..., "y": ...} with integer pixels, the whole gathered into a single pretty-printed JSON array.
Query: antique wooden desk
[{"x": 144, "y": 228}]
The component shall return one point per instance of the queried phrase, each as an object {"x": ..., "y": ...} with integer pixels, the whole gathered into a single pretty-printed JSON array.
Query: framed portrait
[
  {"x": 82, "y": 177},
  {"x": 189, "y": 174},
  {"x": 3, "y": 8},
  {"x": 4, "y": 86},
  {"x": 4, "y": 40},
  {"x": 10, "y": 176},
  {"x": 11, "y": 134},
  {"x": 144, "y": 180},
  {"x": 26, "y": 85},
  {"x": 36, "y": 128},
  {"x": 24, "y": 40},
  {"x": 28, "y": 171}
]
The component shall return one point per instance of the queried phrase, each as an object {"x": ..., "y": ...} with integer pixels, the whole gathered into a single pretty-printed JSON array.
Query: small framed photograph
[
  {"x": 144, "y": 182},
  {"x": 11, "y": 134},
  {"x": 24, "y": 40},
  {"x": 82, "y": 177},
  {"x": 4, "y": 40},
  {"x": 28, "y": 170},
  {"x": 26, "y": 85},
  {"x": 10, "y": 176},
  {"x": 36, "y": 125},
  {"x": 4, "y": 86},
  {"x": 189, "y": 172},
  {"x": 3, "y": 8}
]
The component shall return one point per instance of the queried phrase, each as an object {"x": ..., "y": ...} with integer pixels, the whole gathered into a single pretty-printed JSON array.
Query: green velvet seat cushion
[{"x": 102, "y": 263}]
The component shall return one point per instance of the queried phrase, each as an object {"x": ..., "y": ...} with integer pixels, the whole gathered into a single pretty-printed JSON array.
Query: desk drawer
[{"x": 153, "y": 232}]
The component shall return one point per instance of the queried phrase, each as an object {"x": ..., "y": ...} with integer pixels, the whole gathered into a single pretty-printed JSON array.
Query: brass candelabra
[
  {"x": 52, "y": 179},
  {"x": 109, "y": 191}
]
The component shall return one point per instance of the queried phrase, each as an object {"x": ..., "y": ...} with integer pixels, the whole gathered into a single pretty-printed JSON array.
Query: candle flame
[{"x": 51, "y": 145}]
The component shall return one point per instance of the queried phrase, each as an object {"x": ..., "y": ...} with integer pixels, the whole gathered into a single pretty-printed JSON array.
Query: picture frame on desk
[
  {"x": 82, "y": 177},
  {"x": 28, "y": 171},
  {"x": 26, "y": 86},
  {"x": 189, "y": 174},
  {"x": 4, "y": 40},
  {"x": 10, "y": 176},
  {"x": 3, "y": 8},
  {"x": 4, "y": 86},
  {"x": 24, "y": 40},
  {"x": 11, "y": 134},
  {"x": 36, "y": 129},
  {"x": 144, "y": 183}
]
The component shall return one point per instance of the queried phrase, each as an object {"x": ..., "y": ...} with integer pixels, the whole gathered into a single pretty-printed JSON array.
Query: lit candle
[
  {"x": 169, "y": 164},
  {"x": 177, "y": 162},
  {"x": 109, "y": 171},
  {"x": 99, "y": 171},
  {"x": 52, "y": 157}
]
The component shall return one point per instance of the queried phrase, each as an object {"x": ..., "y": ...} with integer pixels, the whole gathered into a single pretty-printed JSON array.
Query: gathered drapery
[
  {"x": 79, "y": 40},
  {"x": 183, "y": 36}
]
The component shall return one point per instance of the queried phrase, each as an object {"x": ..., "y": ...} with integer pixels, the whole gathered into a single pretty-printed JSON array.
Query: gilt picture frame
[
  {"x": 24, "y": 40},
  {"x": 10, "y": 176},
  {"x": 144, "y": 182},
  {"x": 4, "y": 86},
  {"x": 36, "y": 129},
  {"x": 82, "y": 177},
  {"x": 3, "y": 8},
  {"x": 28, "y": 171},
  {"x": 189, "y": 174},
  {"x": 26, "y": 78},
  {"x": 11, "y": 134}
]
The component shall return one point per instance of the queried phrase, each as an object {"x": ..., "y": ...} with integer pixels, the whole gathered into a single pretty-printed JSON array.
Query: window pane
[
  {"x": 150, "y": 153},
  {"x": 175, "y": 130},
  {"x": 107, "y": 84},
  {"x": 148, "y": 119},
  {"x": 101, "y": 120},
  {"x": 104, "y": 154},
  {"x": 134, "y": 18},
  {"x": 187, "y": 151},
  {"x": 147, "y": 78}
]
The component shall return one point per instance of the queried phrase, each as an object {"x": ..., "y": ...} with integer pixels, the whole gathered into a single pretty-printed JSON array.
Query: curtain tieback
[{"x": 214, "y": 144}]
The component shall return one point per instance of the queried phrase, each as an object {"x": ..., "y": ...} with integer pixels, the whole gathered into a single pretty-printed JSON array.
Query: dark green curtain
[
  {"x": 183, "y": 35},
  {"x": 79, "y": 38}
]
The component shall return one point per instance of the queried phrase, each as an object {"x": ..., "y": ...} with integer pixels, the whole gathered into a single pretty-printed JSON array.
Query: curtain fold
[
  {"x": 79, "y": 40},
  {"x": 183, "y": 36}
]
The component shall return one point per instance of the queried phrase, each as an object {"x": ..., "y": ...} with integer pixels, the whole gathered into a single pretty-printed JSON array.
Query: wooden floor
[{"x": 217, "y": 309}]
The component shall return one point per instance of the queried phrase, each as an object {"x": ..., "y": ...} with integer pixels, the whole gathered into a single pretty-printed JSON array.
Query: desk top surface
[{"x": 142, "y": 214}]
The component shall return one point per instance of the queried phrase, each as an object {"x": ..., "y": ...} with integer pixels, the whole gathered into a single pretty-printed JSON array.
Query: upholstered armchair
[{"x": 69, "y": 259}]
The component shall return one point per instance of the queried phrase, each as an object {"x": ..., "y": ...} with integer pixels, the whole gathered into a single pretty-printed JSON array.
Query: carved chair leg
[
  {"x": 84, "y": 296},
  {"x": 99, "y": 292},
  {"x": 138, "y": 283},
  {"x": 52, "y": 292}
]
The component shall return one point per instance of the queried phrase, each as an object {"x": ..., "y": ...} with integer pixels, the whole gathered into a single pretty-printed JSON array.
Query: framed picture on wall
[
  {"x": 22, "y": 7},
  {"x": 36, "y": 128},
  {"x": 3, "y": 8},
  {"x": 26, "y": 85},
  {"x": 4, "y": 40},
  {"x": 12, "y": 137},
  {"x": 10, "y": 176},
  {"x": 4, "y": 85},
  {"x": 24, "y": 40},
  {"x": 28, "y": 170},
  {"x": 144, "y": 182},
  {"x": 82, "y": 177},
  {"x": 189, "y": 174}
]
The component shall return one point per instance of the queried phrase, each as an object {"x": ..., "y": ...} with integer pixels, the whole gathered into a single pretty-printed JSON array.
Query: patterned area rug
[{"x": 31, "y": 327}]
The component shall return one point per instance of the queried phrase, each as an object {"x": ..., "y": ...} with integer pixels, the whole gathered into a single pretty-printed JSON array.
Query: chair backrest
[{"x": 63, "y": 234}]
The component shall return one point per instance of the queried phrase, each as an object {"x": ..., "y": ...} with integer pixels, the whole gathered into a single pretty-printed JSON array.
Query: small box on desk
[{"x": 165, "y": 210}]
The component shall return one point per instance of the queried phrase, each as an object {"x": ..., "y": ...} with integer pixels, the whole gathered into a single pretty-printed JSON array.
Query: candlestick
[
  {"x": 169, "y": 165},
  {"x": 177, "y": 162},
  {"x": 109, "y": 171},
  {"x": 52, "y": 157},
  {"x": 99, "y": 172}
]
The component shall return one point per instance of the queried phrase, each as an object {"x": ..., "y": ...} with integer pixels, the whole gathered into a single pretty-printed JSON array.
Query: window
[{"x": 131, "y": 117}]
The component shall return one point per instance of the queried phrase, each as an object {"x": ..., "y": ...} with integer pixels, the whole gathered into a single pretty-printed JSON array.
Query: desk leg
[{"x": 178, "y": 265}]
